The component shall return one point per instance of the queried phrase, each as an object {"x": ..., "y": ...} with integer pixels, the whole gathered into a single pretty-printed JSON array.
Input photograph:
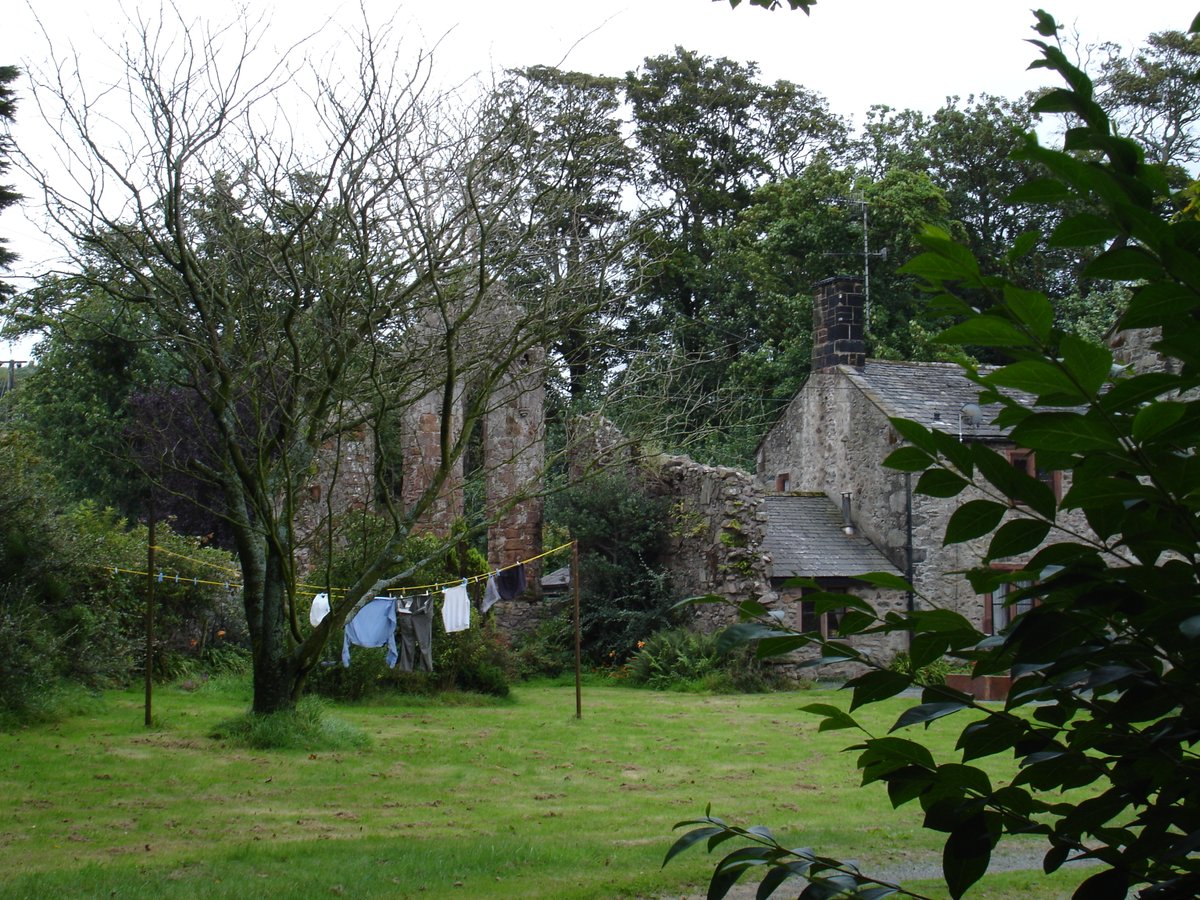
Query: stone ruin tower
[{"x": 510, "y": 458}]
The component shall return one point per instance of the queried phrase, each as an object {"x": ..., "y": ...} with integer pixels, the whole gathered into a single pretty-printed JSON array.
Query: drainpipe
[{"x": 908, "y": 542}]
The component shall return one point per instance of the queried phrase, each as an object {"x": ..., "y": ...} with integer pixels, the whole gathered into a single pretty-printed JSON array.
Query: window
[
  {"x": 1026, "y": 461},
  {"x": 783, "y": 482},
  {"x": 999, "y": 610},
  {"x": 826, "y": 623}
]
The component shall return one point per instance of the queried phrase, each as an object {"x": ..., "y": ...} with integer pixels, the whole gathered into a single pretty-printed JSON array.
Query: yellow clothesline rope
[
  {"x": 314, "y": 589},
  {"x": 212, "y": 565},
  {"x": 475, "y": 579}
]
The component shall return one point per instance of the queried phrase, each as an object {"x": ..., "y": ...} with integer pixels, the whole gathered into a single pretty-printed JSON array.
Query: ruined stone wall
[
  {"x": 421, "y": 450},
  {"x": 514, "y": 461},
  {"x": 718, "y": 525},
  {"x": 342, "y": 479}
]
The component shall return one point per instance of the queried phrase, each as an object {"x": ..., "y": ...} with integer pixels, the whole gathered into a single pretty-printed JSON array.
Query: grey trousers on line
[{"x": 416, "y": 632}]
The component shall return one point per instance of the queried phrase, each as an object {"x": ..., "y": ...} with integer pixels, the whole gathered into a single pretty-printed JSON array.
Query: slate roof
[
  {"x": 805, "y": 538},
  {"x": 929, "y": 393}
]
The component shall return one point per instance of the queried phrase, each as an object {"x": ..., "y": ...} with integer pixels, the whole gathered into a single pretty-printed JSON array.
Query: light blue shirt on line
[{"x": 373, "y": 626}]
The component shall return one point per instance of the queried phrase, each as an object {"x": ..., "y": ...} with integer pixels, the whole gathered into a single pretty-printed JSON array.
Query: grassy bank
[{"x": 453, "y": 797}]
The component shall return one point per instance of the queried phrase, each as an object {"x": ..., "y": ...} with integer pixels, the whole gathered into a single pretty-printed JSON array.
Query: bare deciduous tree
[{"x": 316, "y": 260}]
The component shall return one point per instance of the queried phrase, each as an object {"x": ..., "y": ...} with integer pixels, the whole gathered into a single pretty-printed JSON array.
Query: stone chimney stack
[{"x": 838, "y": 323}]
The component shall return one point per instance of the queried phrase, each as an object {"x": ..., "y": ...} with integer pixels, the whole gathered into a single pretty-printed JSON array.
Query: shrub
[
  {"x": 682, "y": 658},
  {"x": 29, "y": 658},
  {"x": 625, "y": 590},
  {"x": 934, "y": 672}
]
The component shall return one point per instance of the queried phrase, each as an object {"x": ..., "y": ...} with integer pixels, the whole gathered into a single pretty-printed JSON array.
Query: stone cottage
[{"x": 833, "y": 437}]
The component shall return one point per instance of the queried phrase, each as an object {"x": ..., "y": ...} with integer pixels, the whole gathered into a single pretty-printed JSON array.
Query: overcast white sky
[{"x": 855, "y": 52}]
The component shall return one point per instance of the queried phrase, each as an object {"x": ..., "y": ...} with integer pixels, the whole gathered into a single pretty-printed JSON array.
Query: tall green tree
[
  {"x": 581, "y": 168},
  {"x": 1153, "y": 95},
  {"x": 8, "y": 194},
  {"x": 709, "y": 135}
]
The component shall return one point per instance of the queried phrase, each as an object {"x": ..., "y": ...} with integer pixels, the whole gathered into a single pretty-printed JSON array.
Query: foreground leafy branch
[{"x": 1106, "y": 661}]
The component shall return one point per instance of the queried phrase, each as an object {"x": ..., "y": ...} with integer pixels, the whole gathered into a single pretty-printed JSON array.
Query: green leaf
[
  {"x": 1153, "y": 420},
  {"x": 1017, "y": 537},
  {"x": 772, "y": 881},
  {"x": 940, "y": 483},
  {"x": 1190, "y": 627},
  {"x": 1083, "y": 230},
  {"x": 1024, "y": 244},
  {"x": 1012, "y": 482},
  {"x": 942, "y": 621},
  {"x": 744, "y": 632},
  {"x": 926, "y": 647},
  {"x": 1066, "y": 432},
  {"x": 780, "y": 646},
  {"x": 1039, "y": 377},
  {"x": 1111, "y": 884},
  {"x": 985, "y": 331},
  {"x": 968, "y": 850},
  {"x": 973, "y": 519},
  {"x": 882, "y": 756},
  {"x": 908, "y": 459},
  {"x": 725, "y": 876},
  {"x": 1031, "y": 309},
  {"x": 915, "y": 433},
  {"x": 907, "y": 784},
  {"x": 692, "y": 837},
  {"x": 875, "y": 686},
  {"x": 1090, "y": 363},
  {"x": 926, "y": 712},
  {"x": 1160, "y": 303},
  {"x": 835, "y": 718},
  {"x": 1094, "y": 492},
  {"x": 855, "y": 622},
  {"x": 1041, "y": 190},
  {"x": 997, "y": 733},
  {"x": 884, "y": 580},
  {"x": 1124, "y": 264}
]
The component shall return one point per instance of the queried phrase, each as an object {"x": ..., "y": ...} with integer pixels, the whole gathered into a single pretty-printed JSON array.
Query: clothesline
[
  {"x": 474, "y": 579},
  {"x": 176, "y": 578}
]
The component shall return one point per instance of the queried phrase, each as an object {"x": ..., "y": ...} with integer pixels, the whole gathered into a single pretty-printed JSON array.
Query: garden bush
[
  {"x": 626, "y": 593},
  {"x": 680, "y": 658}
]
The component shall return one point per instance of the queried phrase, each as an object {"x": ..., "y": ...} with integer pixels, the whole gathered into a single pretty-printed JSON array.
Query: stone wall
[
  {"x": 514, "y": 462},
  {"x": 342, "y": 480},
  {"x": 718, "y": 525}
]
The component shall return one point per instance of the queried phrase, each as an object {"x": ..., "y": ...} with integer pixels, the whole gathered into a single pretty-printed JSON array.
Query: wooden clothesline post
[
  {"x": 149, "y": 610},
  {"x": 575, "y": 591}
]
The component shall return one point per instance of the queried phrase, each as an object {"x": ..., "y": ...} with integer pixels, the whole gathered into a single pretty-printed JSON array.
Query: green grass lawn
[{"x": 465, "y": 797}]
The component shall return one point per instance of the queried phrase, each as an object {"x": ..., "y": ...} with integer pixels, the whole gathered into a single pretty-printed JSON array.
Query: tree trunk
[{"x": 276, "y": 685}]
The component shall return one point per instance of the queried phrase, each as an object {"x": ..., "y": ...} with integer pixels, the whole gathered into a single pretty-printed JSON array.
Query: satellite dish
[{"x": 972, "y": 413}]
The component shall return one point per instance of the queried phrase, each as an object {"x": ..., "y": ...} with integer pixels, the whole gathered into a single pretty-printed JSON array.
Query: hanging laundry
[
  {"x": 373, "y": 626},
  {"x": 320, "y": 609},
  {"x": 416, "y": 632},
  {"x": 456, "y": 608},
  {"x": 490, "y": 594},
  {"x": 510, "y": 582}
]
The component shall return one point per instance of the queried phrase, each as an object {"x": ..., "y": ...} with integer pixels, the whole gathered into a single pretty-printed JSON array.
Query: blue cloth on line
[{"x": 373, "y": 626}]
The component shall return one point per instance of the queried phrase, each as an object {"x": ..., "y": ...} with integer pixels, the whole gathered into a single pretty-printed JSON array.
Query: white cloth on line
[
  {"x": 320, "y": 609},
  {"x": 456, "y": 608}
]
